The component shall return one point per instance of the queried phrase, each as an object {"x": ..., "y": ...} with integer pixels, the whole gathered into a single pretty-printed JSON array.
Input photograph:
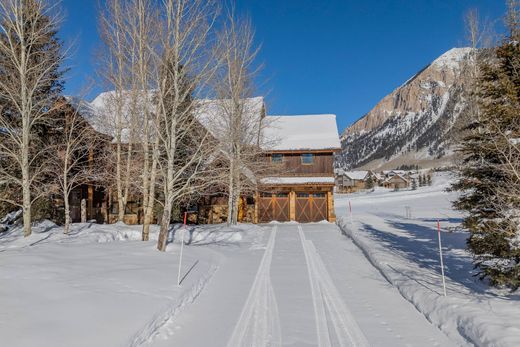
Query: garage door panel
[
  {"x": 311, "y": 207},
  {"x": 273, "y": 207},
  {"x": 265, "y": 209}
]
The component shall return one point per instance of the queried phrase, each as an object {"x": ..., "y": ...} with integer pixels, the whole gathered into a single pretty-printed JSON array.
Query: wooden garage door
[
  {"x": 273, "y": 206},
  {"x": 311, "y": 207}
]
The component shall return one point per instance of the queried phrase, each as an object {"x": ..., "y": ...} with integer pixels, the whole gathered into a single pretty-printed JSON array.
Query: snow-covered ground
[
  {"x": 99, "y": 286},
  {"x": 375, "y": 282},
  {"x": 405, "y": 250}
]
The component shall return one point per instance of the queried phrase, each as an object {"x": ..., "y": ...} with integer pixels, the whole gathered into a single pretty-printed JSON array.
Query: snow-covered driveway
[{"x": 311, "y": 287}]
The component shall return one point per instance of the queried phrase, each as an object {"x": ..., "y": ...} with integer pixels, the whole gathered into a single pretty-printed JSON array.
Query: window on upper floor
[
  {"x": 277, "y": 158},
  {"x": 307, "y": 158}
]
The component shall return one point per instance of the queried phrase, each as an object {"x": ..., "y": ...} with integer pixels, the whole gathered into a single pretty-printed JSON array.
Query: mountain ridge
[{"x": 414, "y": 123}]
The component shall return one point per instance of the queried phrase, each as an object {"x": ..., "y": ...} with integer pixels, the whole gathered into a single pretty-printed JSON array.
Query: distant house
[
  {"x": 396, "y": 181},
  {"x": 352, "y": 181}
]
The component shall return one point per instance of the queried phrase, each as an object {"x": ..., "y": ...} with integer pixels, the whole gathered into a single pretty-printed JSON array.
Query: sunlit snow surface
[
  {"x": 405, "y": 250},
  {"x": 276, "y": 284}
]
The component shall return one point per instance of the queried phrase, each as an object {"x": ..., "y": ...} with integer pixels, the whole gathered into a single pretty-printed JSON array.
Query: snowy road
[{"x": 311, "y": 286}]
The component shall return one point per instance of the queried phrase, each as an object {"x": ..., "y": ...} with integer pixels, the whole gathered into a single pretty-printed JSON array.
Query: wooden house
[
  {"x": 396, "y": 181},
  {"x": 301, "y": 148},
  {"x": 302, "y": 189},
  {"x": 352, "y": 181}
]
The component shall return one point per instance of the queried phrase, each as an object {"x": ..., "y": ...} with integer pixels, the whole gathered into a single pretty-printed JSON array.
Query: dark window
[
  {"x": 319, "y": 195},
  {"x": 302, "y": 195},
  {"x": 282, "y": 195},
  {"x": 266, "y": 195},
  {"x": 277, "y": 158},
  {"x": 307, "y": 158}
]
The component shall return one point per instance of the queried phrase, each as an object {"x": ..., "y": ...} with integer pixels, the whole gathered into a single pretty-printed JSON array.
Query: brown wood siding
[
  {"x": 273, "y": 208},
  {"x": 322, "y": 165},
  {"x": 311, "y": 207}
]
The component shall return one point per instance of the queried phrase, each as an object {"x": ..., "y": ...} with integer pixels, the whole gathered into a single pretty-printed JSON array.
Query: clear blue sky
[{"x": 335, "y": 56}]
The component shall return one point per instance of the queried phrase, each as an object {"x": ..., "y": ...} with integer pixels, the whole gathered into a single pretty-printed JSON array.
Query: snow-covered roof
[
  {"x": 389, "y": 179},
  {"x": 279, "y": 133},
  {"x": 297, "y": 180},
  {"x": 309, "y": 132},
  {"x": 212, "y": 114},
  {"x": 356, "y": 175},
  {"x": 100, "y": 113}
]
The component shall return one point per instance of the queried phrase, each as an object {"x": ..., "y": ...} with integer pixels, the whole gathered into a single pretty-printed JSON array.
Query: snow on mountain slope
[{"x": 413, "y": 124}]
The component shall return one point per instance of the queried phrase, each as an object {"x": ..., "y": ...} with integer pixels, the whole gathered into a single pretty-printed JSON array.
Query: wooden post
[
  {"x": 292, "y": 205},
  {"x": 90, "y": 193},
  {"x": 90, "y": 202},
  {"x": 257, "y": 196},
  {"x": 330, "y": 207},
  {"x": 83, "y": 211}
]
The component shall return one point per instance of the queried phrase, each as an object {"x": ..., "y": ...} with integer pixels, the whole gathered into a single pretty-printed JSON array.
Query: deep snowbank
[
  {"x": 405, "y": 251},
  {"x": 48, "y": 232}
]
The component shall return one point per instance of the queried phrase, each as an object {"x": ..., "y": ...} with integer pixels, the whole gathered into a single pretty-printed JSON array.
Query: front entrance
[
  {"x": 273, "y": 207},
  {"x": 311, "y": 207}
]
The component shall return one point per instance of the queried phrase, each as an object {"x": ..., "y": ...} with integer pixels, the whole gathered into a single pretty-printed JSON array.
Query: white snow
[
  {"x": 406, "y": 252},
  {"x": 453, "y": 57},
  {"x": 276, "y": 284},
  {"x": 308, "y": 132},
  {"x": 212, "y": 115},
  {"x": 297, "y": 180},
  {"x": 98, "y": 286},
  {"x": 356, "y": 175}
]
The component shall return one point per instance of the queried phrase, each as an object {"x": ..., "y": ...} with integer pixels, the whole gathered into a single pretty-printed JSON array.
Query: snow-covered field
[
  {"x": 405, "y": 250},
  {"x": 374, "y": 282},
  {"x": 100, "y": 286}
]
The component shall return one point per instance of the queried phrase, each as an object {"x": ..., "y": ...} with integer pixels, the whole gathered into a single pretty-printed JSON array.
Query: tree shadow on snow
[
  {"x": 422, "y": 248},
  {"x": 204, "y": 237}
]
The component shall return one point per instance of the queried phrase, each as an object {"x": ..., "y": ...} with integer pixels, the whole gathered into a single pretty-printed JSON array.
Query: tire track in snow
[
  {"x": 325, "y": 294},
  {"x": 259, "y": 322},
  {"x": 161, "y": 319},
  {"x": 320, "y": 317}
]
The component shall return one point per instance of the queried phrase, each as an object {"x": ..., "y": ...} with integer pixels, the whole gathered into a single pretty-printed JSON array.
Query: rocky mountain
[{"x": 414, "y": 124}]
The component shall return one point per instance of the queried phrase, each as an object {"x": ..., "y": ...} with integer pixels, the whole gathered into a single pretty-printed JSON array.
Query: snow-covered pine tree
[
  {"x": 414, "y": 184},
  {"x": 490, "y": 174}
]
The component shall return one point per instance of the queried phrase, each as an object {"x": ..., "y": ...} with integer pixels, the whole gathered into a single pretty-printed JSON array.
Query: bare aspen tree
[
  {"x": 30, "y": 59},
  {"x": 73, "y": 151},
  {"x": 144, "y": 32},
  {"x": 238, "y": 116},
  {"x": 479, "y": 36},
  {"x": 186, "y": 66},
  {"x": 479, "y": 31},
  {"x": 119, "y": 109}
]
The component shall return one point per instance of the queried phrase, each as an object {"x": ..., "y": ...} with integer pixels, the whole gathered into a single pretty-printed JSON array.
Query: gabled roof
[
  {"x": 279, "y": 133},
  {"x": 308, "y": 132},
  {"x": 356, "y": 175},
  {"x": 396, "y": 176},
  {"x": 211, "y": 113},
  {"x": 297, "y": 180}
]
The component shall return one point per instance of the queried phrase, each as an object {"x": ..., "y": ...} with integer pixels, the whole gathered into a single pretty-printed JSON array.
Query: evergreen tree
[
  {"x": 421, "y": 181},
  {"x": 429, "y": 179},
  {"x": 489, "y": 176},
  {"x": 369, "y": 183},
  {"x": 414, "y": 184}
]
